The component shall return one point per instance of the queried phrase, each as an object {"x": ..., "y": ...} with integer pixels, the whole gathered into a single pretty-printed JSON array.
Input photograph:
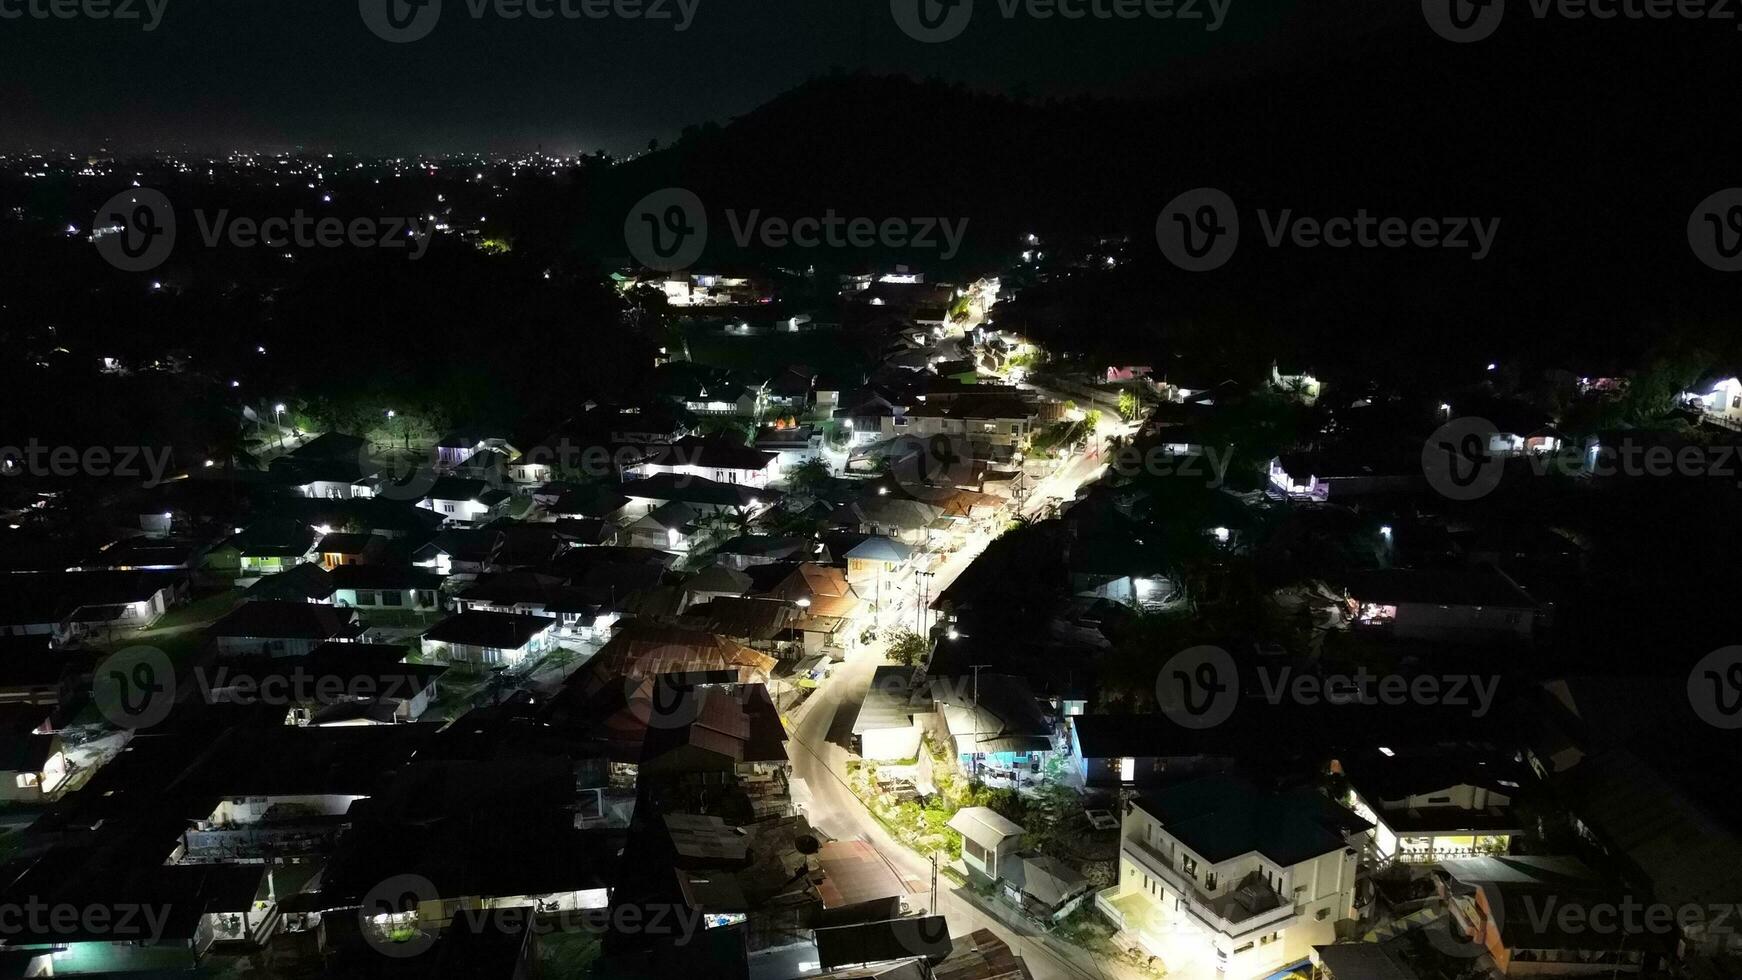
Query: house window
[
  {"x": 1127, "y": 770},
  {"x": 1209, "y": 881},
  {"x": 1439, "y": 799},
  {"x": 1244, "y": 948},
  {"x": 365, "y": 597},
  {"x": 1189, "y": 866},
  {"x": 1321, "y": 914},
  {"x": 393, "y": 598},
  {"x": 26, "y": 780},
  {"x": 425, "y": 597},
  {"x": 974, "y": 850}
]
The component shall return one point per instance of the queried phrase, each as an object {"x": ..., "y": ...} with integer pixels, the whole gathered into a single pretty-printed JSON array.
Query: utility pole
[
  {"x": 934, "y": 884},
  {"x": 976, "y": 669},
  {"x": 922, "y": 589}
]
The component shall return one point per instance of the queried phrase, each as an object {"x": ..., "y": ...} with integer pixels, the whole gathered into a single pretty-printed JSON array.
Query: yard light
[{"x": 1385, "y": 529}]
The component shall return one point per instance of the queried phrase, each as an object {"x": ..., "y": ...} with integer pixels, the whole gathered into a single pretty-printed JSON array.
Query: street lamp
[{"x": 278, "y": 420}]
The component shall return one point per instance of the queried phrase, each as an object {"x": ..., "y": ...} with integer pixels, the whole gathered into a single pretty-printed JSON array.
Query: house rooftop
[
  {"x": 698, "y": 490},
  {"x": 984, "y": 826},
  {"x": 1222, "y": 817},
  {"x": 287, "y": 620},
  {"x": 488, "y": 629},
  {"x": 1443, "y": 587}
]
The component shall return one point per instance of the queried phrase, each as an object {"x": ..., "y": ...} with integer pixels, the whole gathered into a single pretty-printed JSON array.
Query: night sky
[{"x": 276, "y": 74}]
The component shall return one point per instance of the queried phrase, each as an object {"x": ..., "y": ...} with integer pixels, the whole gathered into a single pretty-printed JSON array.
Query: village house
[
  {"x": 282, "y": 629},
  {"x": 715, "y": 458},
  {"x": 1220, "y": 875},
  {"x": 885, "y": 728},
  {"x": 488, "y": 638},
  {"x": 96, "y": 605},
  {"x": 273, "y": 545},
  {"x": 1429, "y": 806},
  {"x": 1500, "y": 903},
  {"x": 386, "y": 587},
  {"x": 1443, "y": 605},
  {"x": 989, "y": 840},
  {"x": 31, "y": 767},
  {"x": 349, "y": 549},
  {"x": 465, "y": 501}
]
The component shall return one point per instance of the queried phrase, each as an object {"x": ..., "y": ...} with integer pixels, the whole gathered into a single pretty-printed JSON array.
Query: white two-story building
[{"x": 1217, "y": 874}]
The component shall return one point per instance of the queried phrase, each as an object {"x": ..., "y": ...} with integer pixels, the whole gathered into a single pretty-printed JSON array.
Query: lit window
[
  {"x": 27, "y": 780},
  {"x": 1127, "y": 770}
]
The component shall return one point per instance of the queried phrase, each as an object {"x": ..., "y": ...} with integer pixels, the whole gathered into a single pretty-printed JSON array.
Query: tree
[
  {"x": 1127, "y": 405},
  {"x": 809, "y": 476},
  {"x": 908, "y": 648}
]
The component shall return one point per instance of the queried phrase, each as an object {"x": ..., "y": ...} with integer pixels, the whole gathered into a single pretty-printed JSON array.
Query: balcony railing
[{"x": 1222, "y": 913}]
